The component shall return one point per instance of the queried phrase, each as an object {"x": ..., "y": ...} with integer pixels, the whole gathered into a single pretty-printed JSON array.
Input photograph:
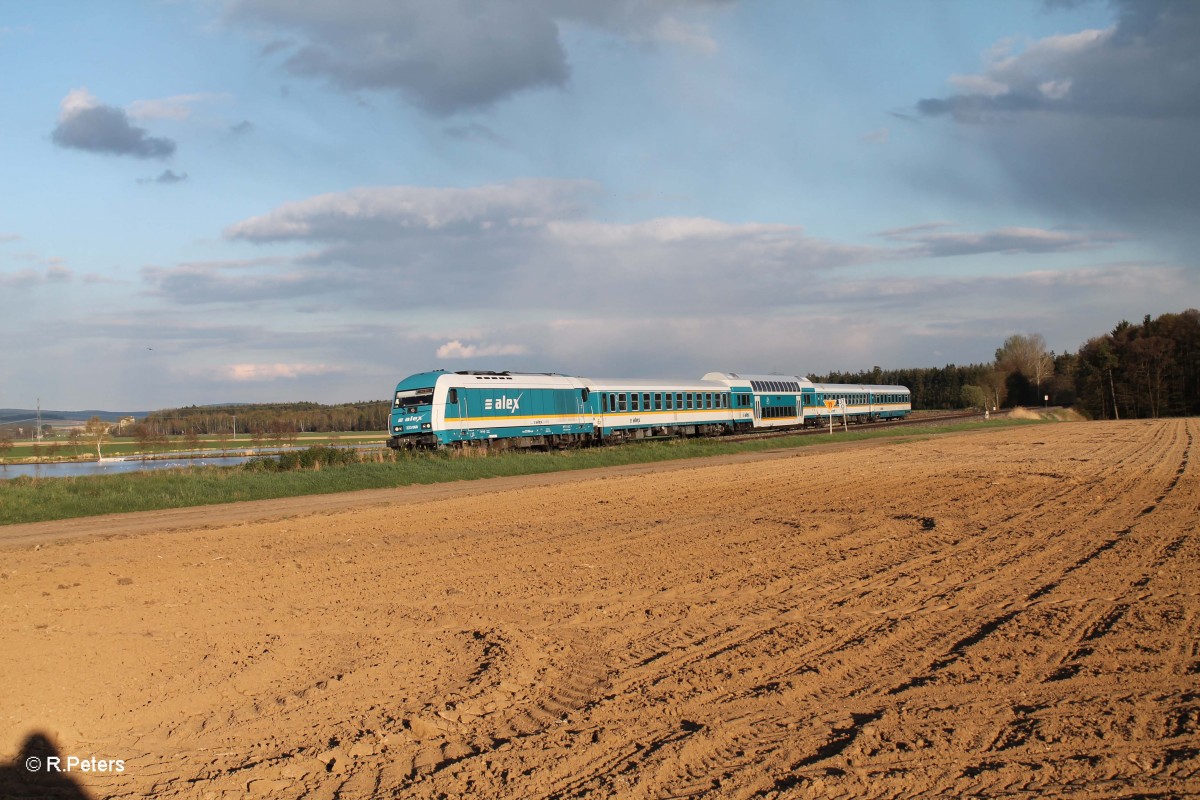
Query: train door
[
  {"x": 757, "y": 409},
  {"x": 457, "y": 398}
]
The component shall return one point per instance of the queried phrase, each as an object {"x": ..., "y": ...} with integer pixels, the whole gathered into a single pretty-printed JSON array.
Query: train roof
[
  {"x": 763, "y": 383},
  {"x": 487, "y": 378},
  {"x": 859, "y": 387},
  {"x": 642, "y": 384}
]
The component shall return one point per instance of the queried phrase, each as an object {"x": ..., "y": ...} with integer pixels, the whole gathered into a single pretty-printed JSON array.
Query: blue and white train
[{"x": 515, "y": 409}]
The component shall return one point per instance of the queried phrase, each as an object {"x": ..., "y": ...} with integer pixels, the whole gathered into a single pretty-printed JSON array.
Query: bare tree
[
  {"x": 1027, "y": 355},
  {"x": 995, "y": 388},
  {"x": 96, "y": 430}
]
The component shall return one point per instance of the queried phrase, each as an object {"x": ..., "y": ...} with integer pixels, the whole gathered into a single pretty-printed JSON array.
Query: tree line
[
  {"x": 270, "y": 418},
  {"x": 1150, "y": 369},
  {"x": 931, "y": 387}
]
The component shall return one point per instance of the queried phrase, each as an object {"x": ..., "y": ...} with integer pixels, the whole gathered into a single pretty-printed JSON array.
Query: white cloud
[
  {"x": 1055, "y": 90},
  {"x": 77, "y": 100},
  {"x": 456, "y": 349},
  {"x": 26, "y": 278},
  {"x": 392, "y": 211},
  {"x": 930, "y": 240},
  {"x": 877, "y": 136},
  {"x": 271, "y": 372},
  {"x": 691, "y": 35},
  {"x": 177, "y": 107}
]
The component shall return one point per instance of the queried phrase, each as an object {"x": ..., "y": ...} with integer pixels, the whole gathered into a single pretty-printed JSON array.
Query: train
[{"x": 438, "y": 409}]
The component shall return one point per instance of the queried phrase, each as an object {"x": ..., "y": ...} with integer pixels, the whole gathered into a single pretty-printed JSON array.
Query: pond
[{"x": 73, "y": 469}]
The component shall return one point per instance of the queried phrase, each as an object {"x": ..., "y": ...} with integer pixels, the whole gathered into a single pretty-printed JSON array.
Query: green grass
[{"x": 28, "y": 499}]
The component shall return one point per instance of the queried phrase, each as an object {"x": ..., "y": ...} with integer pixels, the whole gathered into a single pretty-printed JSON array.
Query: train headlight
[
  {"x": 396, "y": 429},
  {"x": 425, "y": 426}
]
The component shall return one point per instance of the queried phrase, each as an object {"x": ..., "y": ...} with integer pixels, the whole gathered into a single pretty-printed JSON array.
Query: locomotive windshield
[{"x": 414, "y": 397}]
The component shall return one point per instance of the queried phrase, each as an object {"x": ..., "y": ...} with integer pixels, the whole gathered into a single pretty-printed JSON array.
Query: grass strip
[{"x": 27, "y": 499}]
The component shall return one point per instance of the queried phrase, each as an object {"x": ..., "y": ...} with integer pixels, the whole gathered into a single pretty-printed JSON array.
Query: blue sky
[{"x": 259, "y": 200}]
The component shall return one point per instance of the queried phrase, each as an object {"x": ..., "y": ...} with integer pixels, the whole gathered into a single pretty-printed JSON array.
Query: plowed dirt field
[{"x": 1004, "y": 613}]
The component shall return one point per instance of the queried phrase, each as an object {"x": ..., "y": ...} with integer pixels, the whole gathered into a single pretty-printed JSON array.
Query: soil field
[{"x": 994, "y": 614}]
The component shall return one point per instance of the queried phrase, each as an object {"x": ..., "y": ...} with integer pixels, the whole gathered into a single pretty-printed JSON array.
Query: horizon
[{"x": 247, "y": 199}]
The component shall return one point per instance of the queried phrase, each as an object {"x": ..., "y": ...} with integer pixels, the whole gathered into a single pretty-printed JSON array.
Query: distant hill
[{"x": 20, "y": 416}]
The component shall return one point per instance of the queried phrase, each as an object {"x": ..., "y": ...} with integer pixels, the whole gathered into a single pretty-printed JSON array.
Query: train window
[
  {"x": 452, "y": 396},
  {"x": 658, "y": 401},
  {"x": 687, "y": 396},
  {"x": 414, "y": 397},
  {"x": 633, "y": 402},
  {"x": 670, "y": 401},
  {"x": 646, "y": 401},
  {"x": 621, "y": 402},
  {"x": 583, "y": 393}
]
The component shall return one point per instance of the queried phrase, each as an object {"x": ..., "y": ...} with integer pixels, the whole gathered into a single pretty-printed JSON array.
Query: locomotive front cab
[{"x": 411, "y": 420}]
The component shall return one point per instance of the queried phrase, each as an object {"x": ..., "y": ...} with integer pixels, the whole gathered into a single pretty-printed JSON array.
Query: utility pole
[{"x": 38, "y": 434}]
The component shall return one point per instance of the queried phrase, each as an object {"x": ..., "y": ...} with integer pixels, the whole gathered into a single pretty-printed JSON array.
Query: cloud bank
[
  {"x": 1098, "y": 122},
  {"x": 454, "y": 55}
]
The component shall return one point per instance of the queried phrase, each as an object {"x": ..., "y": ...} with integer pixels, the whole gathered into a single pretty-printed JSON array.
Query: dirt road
[{"x": 1007, "y": 613}]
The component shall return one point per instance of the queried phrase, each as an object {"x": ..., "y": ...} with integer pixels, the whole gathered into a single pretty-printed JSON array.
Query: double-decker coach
[{"x": 773, "y": 401}]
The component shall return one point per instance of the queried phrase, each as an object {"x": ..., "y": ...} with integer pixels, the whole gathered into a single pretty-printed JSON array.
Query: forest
[{"x": 270, "y": 418}]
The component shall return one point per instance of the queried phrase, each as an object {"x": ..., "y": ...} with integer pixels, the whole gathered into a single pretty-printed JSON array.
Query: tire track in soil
[{"x": 842, "y": 737}]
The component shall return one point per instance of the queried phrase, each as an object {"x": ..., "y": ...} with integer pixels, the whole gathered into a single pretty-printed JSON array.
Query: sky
[{"x": 209, "y": 201}]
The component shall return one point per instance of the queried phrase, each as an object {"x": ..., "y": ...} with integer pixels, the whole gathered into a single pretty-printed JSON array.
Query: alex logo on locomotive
[{"x": 503, "y": 403}]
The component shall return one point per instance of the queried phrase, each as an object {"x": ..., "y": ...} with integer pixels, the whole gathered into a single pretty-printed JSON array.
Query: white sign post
[
  {"x": 842, "y": 406},
  {"x": 829, "y": 406}
]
